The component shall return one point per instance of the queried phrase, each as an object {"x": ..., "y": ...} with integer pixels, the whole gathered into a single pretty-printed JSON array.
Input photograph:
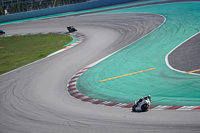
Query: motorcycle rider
[
  {"x": 71, "y": 29},
  {"x": 141, "y": 103}
]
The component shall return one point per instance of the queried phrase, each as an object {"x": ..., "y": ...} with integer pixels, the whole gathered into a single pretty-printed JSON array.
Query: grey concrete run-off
[{"x": 186, "y": 56}]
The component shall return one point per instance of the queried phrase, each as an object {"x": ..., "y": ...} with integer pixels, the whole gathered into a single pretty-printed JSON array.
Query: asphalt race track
[{"x": 34, "y": 99}]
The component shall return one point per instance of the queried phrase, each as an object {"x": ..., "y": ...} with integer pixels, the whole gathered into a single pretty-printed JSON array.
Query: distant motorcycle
[
  {"x": 71, "y": 29},
  {"x": 142, "y": 104},
  {"x": 2, "y": 32}
]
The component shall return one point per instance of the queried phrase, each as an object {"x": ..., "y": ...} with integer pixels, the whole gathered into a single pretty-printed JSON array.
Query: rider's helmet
[{"x": 149, "y": 96}]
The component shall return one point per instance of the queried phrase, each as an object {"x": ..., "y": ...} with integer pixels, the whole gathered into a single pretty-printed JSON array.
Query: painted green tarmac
[{"x": 167, "y": 87}]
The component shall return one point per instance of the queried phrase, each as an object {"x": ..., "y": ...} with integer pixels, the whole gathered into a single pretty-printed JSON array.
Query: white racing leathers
[{"x": 138, "y": 108}]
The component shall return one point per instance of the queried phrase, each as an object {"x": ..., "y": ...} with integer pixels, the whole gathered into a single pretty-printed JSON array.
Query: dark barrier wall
[{"x": 61, "y": 9}]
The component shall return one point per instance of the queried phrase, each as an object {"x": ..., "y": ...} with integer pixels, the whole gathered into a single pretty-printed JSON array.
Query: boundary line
[{"x": 166, "y": 57}]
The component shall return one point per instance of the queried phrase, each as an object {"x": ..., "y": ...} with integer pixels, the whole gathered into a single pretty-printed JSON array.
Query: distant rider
[{"x": 71, "y": 29}]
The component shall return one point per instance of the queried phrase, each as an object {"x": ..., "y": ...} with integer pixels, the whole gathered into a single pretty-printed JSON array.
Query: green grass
[{"x": 16, "y": 51}]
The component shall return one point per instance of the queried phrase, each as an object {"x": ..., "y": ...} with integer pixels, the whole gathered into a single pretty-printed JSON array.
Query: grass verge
[{"x": 17, "y": 51}]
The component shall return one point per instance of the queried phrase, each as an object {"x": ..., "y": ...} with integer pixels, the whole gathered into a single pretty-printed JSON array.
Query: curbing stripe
[
  {"x": 84, "y": 97},
  {"x": 173, "y": 107},
  {"x": 70, "y": 86},
  {"x": 73, "y": 81},
  {"x": 187, "y": 108},
  {"x": 87, "y": 99},
  {"x": 152, "y": 106},
  {"x": 128, "y": 106},
  {"x": 79, "y": 96},
  {"x": 98, "y": 102},
  {"x": 72, "y": 89},
  {"x": 160, "y": 107},
  {"x": 111, "y": 104},
  {"x": 74, "y": 93},
  {"x": 197, "y": 108}
]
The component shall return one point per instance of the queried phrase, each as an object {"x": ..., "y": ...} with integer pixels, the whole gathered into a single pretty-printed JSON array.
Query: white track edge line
[{"x": 166, "y": 57}]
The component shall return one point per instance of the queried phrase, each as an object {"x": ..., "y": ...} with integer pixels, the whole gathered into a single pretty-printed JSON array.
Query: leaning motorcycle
[{"x": 143, "y": 108}]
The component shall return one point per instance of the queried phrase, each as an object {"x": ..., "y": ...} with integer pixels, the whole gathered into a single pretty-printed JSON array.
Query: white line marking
[{"x": 166, "y": 57}]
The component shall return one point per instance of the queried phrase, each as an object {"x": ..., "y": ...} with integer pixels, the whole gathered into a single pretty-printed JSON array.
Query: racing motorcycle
[
  {"x": 142, "y": 105},
  {"x": 2, "y": 32},
  {"x": 71, "y": 29}
]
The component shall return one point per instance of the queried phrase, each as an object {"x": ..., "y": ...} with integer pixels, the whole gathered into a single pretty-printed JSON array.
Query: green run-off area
[
  {"x": 16, "y": 51},
  {"x": 166, "y": 86}
]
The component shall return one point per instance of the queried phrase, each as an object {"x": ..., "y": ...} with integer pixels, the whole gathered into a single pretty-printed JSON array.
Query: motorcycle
[
  {"x": 142, "y": 105},
  {"x": 71, "y": 29},
  {"x": 2, "y": 32}
]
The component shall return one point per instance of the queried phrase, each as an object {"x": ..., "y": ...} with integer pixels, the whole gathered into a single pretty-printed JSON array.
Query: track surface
[{"x": 34, "y": 99}]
